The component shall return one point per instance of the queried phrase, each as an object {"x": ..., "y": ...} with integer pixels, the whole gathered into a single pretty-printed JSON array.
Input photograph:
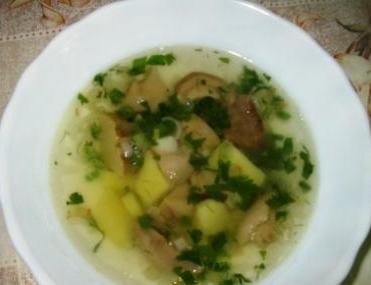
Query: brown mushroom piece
[
  {"x": 159, "y": 250},
  {"x": 149, "y": 89},
  {"x": 156, "y": 246},
  {"x": 246, "y": 127},
  {"x": 258, "y": 225},
  {"x": 176, "y": 167},
  {"x": 199, "y": 84}
]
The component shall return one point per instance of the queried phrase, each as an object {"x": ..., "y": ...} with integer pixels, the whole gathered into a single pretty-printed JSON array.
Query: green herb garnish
[
  {"x": 95, "y": 130},
  {"x": 115, "y": 96},
  {"x": 211, "y": 257},
  {"x": 145, "y": 221},
  {"x": 225, "y": 59},
  {"x": 83, "y": 100},
  {"x": 305, "y": 186},
  {"x": 213, "y": 112},
  {"x": 92, "y": 156},
  {"x": 139, "y": 64},
  {"x": 194, "y": 144},
  {"x": 250, "y": 82},
  {"x": 308, "y": 166},
  {"x": 161, "y": 59},
  {"x": 197, "y": 160},
  {"x": 279, "y": 199},
  {"x": 99, "y": 78},
  {"x": 75, "y": 199}
]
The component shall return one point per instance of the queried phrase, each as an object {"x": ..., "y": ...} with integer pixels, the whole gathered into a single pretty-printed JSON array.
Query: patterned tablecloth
[{"x": 26, "y": 27}]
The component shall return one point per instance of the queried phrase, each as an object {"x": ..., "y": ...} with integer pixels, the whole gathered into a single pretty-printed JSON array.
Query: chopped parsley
[
  {"x": 213, "y": 112},
  {"x": 197, "y": 160},
  {"x": 242, "y": 187},
  {"x": 162, "y": 122},
  {"x": 166, "y": 127},
  {"x": 194, "y": 144},
  {"x": 115, "y": 96},
  {"x": 278, "y": 154},
  {"x": 281, "y": 215},
  {"x": 75, "y": 199},
  {"x": 95, "y": 130},
  {"x": 176, "y": 109},
  {"x": 308, "y": 166},
  {"x": 250, "y": 82},
  {"x": 83, "y": 100},
  {"x": 210, "y": 256},
  {"x": 92, "y": 156},
  {"x": 127, "y": 113},
  {"x": 139, "y": 64},
  {"x": 283, "y": 115},
  {"x": 225, "y": 59},
  {"x": 99, "y": 78},
  {"x": 305, "y": 186},
  {"x": 145, "y": 221},
  {"x": 161, "y": 59},
  {"x": 280, "y": 199}
]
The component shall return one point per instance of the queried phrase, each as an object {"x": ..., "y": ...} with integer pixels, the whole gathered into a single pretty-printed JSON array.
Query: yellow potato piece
[
  {"x": 211, "y": 217},
  {"x": 240, "y": 164},
  {"x": 103, "y": 197},
  {"x": 151, "y": 184},
  {"x": 113, "y": 218},
  {"x": 132, "y": 204}
]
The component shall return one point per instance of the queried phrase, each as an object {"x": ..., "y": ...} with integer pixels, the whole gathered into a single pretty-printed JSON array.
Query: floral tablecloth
[{"x": 341, "y": 27}]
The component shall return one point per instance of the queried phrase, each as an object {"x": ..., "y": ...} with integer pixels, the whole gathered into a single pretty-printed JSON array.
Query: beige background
[{"x": 23, "y": 36}]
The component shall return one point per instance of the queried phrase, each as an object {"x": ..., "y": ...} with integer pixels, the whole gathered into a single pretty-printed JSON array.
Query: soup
[{"x": 188, "y": 162}]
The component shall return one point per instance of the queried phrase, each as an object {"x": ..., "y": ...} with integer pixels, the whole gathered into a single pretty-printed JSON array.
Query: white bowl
[{"x": 310, "y": 76}]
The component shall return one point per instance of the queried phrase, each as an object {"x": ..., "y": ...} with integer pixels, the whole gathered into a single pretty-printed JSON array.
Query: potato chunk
[
  {"x": 132, "y": 204},
  {"x": 211, "y": 217},
  {"x": 240, "y": 164},
  {"x": 102, "y": 196},
  {"x": 151, "y": 184}
]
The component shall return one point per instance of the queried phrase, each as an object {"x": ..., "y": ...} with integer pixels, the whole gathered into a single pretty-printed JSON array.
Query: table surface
[{"x": 334, "y": 24}]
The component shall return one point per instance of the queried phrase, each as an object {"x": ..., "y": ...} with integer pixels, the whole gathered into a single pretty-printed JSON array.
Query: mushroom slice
[
  {"x": 246, "y": 130},
  {"x": 150, "y": 89},
  {"x": 159, "y": 250},
  {"x": 175, "y": 167},
  {"x": 199, "y": 84},
  {"x": 258, "y": 224}
]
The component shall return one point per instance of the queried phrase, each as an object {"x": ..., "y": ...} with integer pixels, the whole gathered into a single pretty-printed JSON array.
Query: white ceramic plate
[{"x": 311, "y": 77}]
